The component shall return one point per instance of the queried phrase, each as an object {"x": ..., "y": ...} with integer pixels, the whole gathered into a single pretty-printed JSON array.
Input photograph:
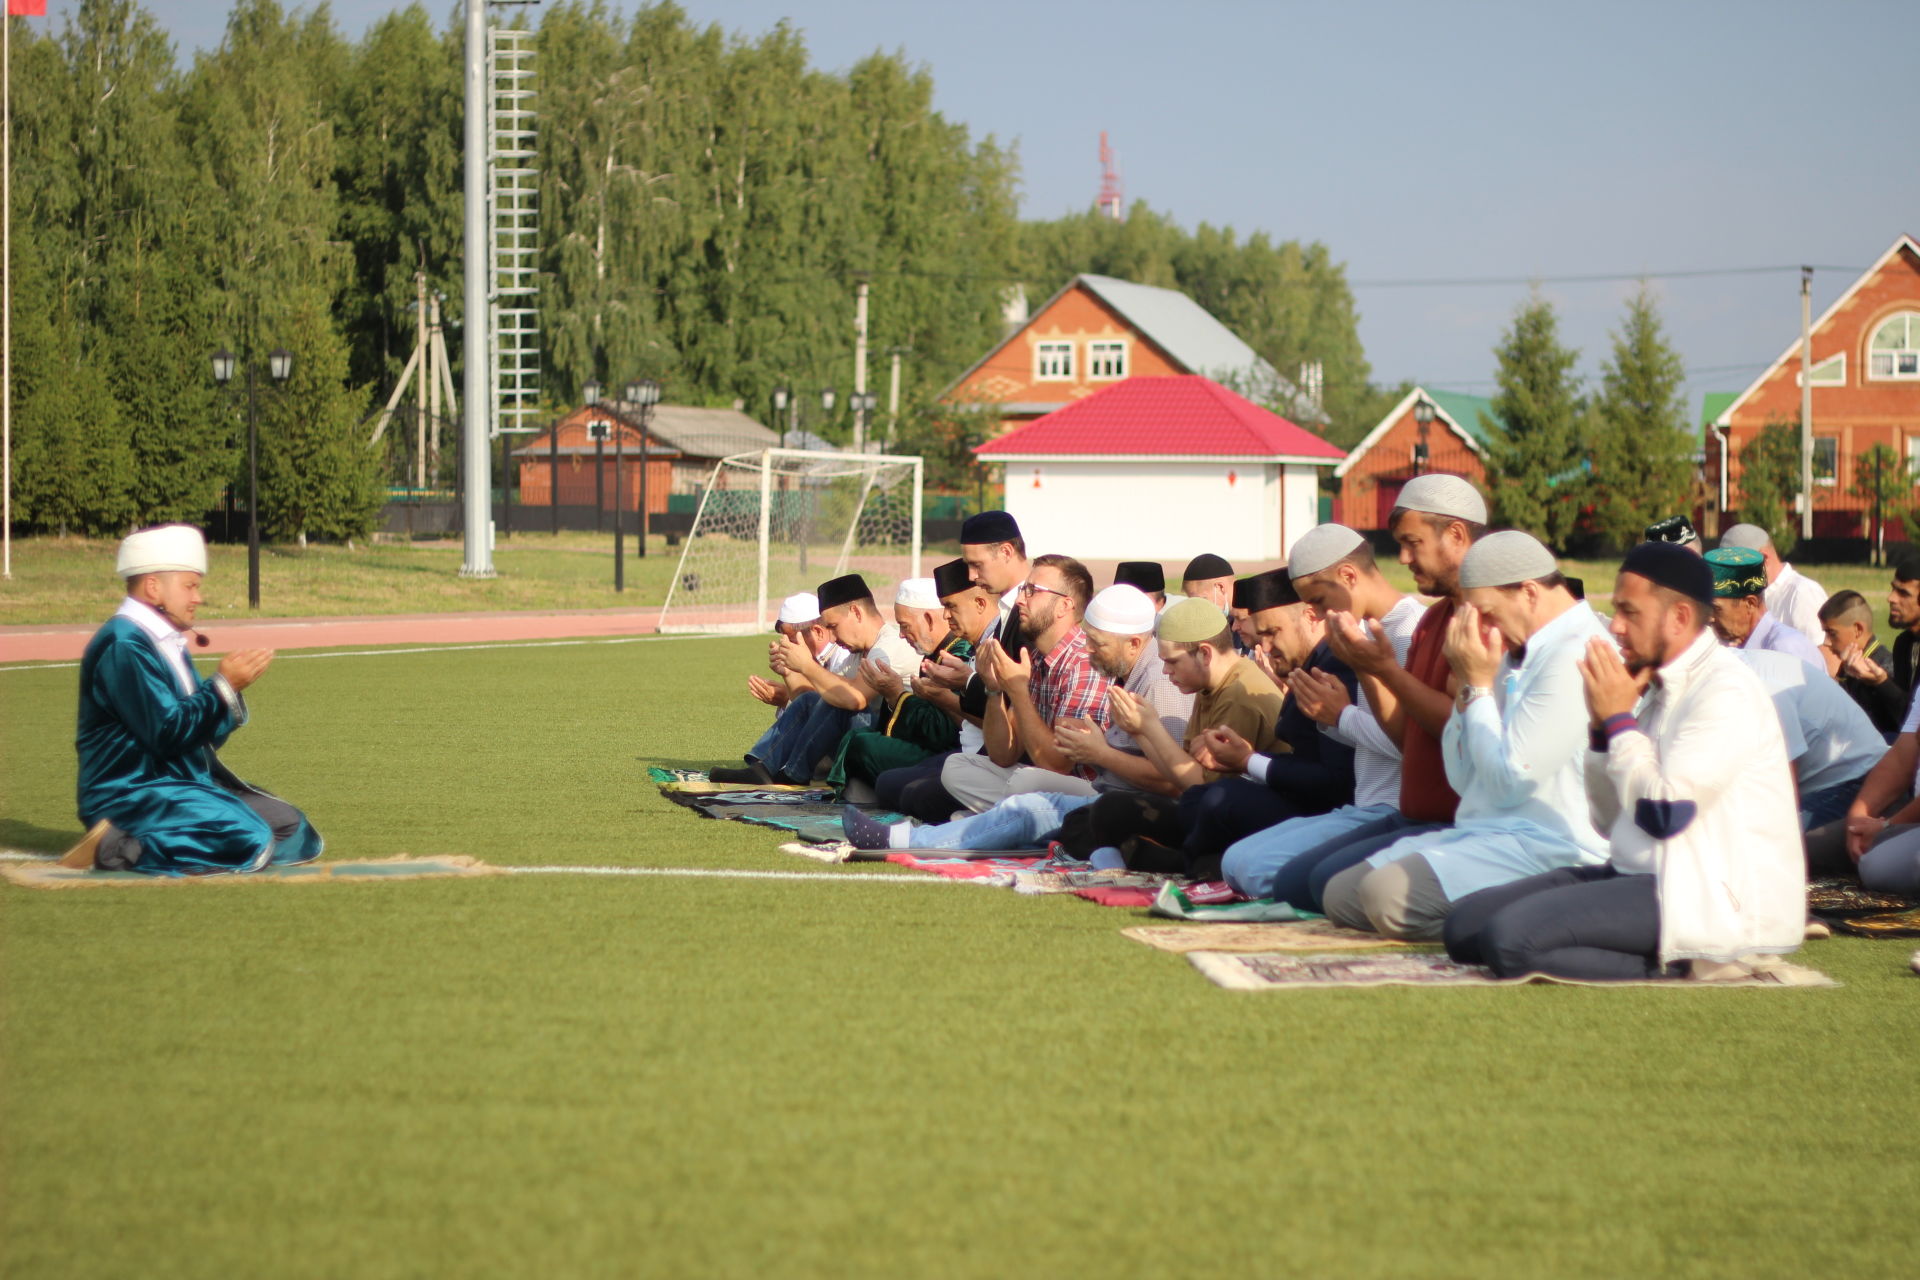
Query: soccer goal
[{"x": 779, "y": 521}]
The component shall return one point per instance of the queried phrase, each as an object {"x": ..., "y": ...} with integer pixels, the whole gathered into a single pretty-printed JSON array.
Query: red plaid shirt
[{"x": 1065, "y": 685}]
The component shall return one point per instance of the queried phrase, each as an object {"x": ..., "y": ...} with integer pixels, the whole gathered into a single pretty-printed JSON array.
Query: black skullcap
[
  {"x": 843, "y": 590},
  {"x": 1676, "y": 529},
  {"x": 1144, "y": 574},
  {"x": 1670, "y": 565},
  {"x": 1270, "y": 590},
  {"x": 989, "y": 527},
  {"x": 1207, "y": 565},
  {"x": 950, "y": 579}
]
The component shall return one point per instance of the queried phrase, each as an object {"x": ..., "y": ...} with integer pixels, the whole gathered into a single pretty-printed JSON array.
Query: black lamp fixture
[
  {"x": 1423, "y": 417},
  {"x": 279, "y": 368}
]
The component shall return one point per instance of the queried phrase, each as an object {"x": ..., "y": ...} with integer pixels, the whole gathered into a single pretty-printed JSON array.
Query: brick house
[
  {"x": 1400, "y": 447},
  {"x": 1866, "y": 391},
  {"x": 683, "y": 443}
]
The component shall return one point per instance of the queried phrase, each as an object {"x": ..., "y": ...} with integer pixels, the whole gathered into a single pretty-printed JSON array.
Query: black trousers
[
  {"x": 916, "y": 791},
  {"x": 1217, "y": 814},
  {"x": 1147, "y": 829},
  {"x": 1590, "y": 923}
]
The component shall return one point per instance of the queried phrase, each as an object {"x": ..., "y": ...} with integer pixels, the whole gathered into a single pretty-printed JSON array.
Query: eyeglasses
[{"x": 1035, "y": 589}]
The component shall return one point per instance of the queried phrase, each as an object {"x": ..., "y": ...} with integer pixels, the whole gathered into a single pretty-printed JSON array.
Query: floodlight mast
[{"x": 476, "y": 456}]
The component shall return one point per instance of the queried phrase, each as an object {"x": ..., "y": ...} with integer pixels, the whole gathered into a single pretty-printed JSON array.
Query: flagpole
[{"x": 6, "y": 299}]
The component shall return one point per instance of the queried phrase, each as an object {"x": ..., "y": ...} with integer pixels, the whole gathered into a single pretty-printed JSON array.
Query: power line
[{"x": 1468, "y": 282}]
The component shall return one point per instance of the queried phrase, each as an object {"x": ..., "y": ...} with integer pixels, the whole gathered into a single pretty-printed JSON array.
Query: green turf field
[{"x": 666, "y": 1077}]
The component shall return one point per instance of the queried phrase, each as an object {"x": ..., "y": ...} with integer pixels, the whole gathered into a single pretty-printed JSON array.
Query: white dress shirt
[{"x": 1797, "y": 600}]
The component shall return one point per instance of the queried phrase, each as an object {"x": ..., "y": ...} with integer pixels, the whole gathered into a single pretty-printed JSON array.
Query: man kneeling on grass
[
  {"x": 1119, "y": 632},
  {"x": 805, "y": 737},
  {"x": 913, "y": 727}
]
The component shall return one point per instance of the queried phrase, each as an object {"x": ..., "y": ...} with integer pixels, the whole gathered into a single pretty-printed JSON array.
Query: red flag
[{"x": 26, "y": 8}]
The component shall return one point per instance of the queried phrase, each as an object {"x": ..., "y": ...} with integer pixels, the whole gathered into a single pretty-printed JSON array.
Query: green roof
[
  {"x": 1713, "y": 404},
  {"x": 1466, "y": 410}
]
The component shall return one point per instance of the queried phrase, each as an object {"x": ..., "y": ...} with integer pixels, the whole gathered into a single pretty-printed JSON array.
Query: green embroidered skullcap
[
  {"x": 1191, "y": 621},
  {"x": 1738, "y": 572},
  {"x": 1505, "y": 558}
]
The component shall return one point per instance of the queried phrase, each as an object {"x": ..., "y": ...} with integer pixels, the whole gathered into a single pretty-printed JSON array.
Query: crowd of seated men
[{"x": 1489, "y": 763}]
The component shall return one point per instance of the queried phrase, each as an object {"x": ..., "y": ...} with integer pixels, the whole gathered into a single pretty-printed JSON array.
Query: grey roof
[{"x": 710, "y": 433}]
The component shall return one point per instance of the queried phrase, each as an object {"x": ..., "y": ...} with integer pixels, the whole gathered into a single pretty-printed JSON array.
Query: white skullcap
[
  {"x": 1319, "y": 547},
  {"x": 1750, "y": 536},
  {"x": 1502, "y": 559},
  {"x": 168, "y": 548},
  {"x": 1121, "y": 610},
  {"x": 1443, "y": 495},
  {"x": 916, "y": 593},
  {"x": 804, "y": 607}
]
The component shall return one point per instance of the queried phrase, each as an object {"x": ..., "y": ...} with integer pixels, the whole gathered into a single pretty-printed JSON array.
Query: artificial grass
[{"x": 620, "y": 1076}]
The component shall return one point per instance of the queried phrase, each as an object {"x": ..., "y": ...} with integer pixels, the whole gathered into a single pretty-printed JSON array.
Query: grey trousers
[
  {"x": 1892, "y": 864},
  {"x": 979, "y": 784},
  {"x": 1400, "y": 900}
]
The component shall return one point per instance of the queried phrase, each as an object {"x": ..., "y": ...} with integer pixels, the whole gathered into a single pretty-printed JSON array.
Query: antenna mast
[{"x": 1109, "y": 203}]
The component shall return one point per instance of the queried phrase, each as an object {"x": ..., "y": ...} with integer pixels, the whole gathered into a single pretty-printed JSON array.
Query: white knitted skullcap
[
  {"x": 1319, "y": 547},
  {"x": 803, "y": 607},
  {"x": 1502, "y": 559},
  {"x": 1750, "y": 536},
  {"x": 1443, "y": 495},
  {"x": 167, "y": 548},
  {"x": 916, "y": 593},
  {"x": 1121, "y": 610}
]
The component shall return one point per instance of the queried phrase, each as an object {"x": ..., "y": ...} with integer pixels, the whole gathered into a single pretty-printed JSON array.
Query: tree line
[{"x": 708, "y": 202}]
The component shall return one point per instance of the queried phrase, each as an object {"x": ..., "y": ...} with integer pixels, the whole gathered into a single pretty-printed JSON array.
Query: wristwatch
[{"x": 1469, "y": 692}]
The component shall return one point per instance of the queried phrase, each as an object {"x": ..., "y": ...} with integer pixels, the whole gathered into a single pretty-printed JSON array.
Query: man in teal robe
[{"x": 152, "y": 791}]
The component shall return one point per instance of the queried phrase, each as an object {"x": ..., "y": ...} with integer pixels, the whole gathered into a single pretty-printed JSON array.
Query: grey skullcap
[
  {"x": 1503, "y": 559},
  {"x": 1750, "y": 536},
  {"x": 1443, "y": 495},
  {"x": 1319, "y": 547}
]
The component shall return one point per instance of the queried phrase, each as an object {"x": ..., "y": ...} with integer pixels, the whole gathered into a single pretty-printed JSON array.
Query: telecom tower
[
  {"x": 502, "y": 354},
  {"x": 1110, "y": 198}
]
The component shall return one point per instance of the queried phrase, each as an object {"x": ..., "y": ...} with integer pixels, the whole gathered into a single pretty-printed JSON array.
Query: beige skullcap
[
  {"x": 1502, "y": 559},
  {"x": 1319, "y": 547},
  {"x": 1443, "y": 495},
  {"x": 1750, "y": 536},
  {"x": 167, "y": 548},
  {"x": 1190, "y": 621},
  {"x": 1122, "y": 610}
]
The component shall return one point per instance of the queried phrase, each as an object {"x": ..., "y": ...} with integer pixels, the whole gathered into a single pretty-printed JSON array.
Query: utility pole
[
  {"x": 476, "y": 454},
  {"x": 859, "y": 359},
  {"x": 893, "y": 397},
  {"x": 422, "y": 379},
  {"x": 1806, "y": 402}
]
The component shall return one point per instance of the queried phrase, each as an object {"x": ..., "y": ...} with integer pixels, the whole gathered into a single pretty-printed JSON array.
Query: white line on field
[
  {"x": 710, "y": 873},
  {"x": 424, "y": 647}
]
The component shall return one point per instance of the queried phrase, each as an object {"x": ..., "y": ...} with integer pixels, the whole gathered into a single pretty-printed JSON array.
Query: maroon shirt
[{"x": 1425, "y": 794}]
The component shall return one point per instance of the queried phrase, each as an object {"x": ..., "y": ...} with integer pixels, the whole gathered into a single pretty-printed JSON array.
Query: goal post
[{"x": 778, "y": 521}]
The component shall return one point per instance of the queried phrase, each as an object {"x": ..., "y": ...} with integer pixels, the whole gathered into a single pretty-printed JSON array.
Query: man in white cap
[
  {"x": 1515, "y": 750},
  {"x": 916, "y": 611},
  {"x": 154, "y": 796},
  {"x": 1791, "y": 596},
  {"x": 971, "y": 613},
  {"x": 913, "y": 727},
  {"x": 799, "y": 621},
  {"x": 1119, "y": 633},
  {"x": 1334, "y": 570}
]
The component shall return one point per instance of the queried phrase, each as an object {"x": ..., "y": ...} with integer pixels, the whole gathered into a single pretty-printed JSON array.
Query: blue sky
[{"x": 1421, "y": 140}]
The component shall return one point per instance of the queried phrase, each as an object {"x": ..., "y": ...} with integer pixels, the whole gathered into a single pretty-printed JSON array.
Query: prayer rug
[
  {"x": 1299, "y": 935},
  {"x": 1176, "y": 903},
  {"x": 1078, "y": 878},
  {"x": 1840, "y": 897},
  {"x": 1897, "y": 924},
  {"x": 997, "y": 869},
  {"x": 51, "y": 875},
  {"x": 811, "y": 814},
  {"x": 697, "y": 782},
  {"x": 1284, "y": 972}
]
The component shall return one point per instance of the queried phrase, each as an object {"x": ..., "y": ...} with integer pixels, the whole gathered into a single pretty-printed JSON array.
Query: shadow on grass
[{"x": 24, "y": 835}]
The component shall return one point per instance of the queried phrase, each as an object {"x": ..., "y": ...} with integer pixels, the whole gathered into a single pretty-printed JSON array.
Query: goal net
[{"x": 780, "y": 521}]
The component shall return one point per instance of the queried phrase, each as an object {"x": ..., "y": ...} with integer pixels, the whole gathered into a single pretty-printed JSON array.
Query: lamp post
[
  {"x": 279, "y": 368},
  {"x": 780, "y": 398},
  {"x": 1423, "y": 417},
  {"x": 861, "y": 402},
  {"x": 644, "y": 392},
  {"x": 590, "y": 396}
]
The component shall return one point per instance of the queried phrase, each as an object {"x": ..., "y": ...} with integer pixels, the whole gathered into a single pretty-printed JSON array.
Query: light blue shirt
[
  {"x": 1775, "y": 636},
  {"x": 1830, "y": 739}
]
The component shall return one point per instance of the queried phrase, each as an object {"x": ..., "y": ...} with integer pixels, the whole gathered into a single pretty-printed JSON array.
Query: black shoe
[
  {"x": 863, "y": 832},
  {"x": 755, "y": 773}
]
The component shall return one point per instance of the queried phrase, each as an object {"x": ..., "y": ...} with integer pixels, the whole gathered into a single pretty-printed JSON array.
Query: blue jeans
[
  {"x": 810, "y": 728},
  {"x": 1018, "y": 822},
  {"x": 1817, "y": 808},
  {"x": 1252, "y": 866}
]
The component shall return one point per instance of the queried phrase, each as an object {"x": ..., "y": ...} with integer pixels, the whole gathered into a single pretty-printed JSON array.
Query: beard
[{"x": 1033, "y": 622}]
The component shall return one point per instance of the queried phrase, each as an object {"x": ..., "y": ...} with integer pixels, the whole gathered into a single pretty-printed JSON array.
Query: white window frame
[
  {"x": 1838, "y": 361},
  {"x": 1896, "y": 355},
  {"x": 1099, "y": 348},
  {"x": 1042, "y": 350},
  {"x": 1833, "y": 475},
  {"x": 1913, "y": 456}
]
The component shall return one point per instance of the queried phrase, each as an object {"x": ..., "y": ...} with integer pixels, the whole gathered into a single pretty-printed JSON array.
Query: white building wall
[{"x": 1162, "y": 511}]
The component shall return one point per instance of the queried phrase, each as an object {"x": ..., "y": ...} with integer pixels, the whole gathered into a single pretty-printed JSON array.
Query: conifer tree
[
  {"x": 1535, "y": 465},
  {"x": 1642, "y": 452}
]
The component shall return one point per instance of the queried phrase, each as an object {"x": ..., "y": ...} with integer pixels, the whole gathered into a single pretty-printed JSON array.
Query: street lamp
[
  {"x": 780, "y": 397},
  {"x": 861, "y": 402},
  {"x": 1423, "y": 417},
  {"x": 644, "y": 392},
  {"x": 279, "y": 368},
  {"x": 590, "y": 396}
]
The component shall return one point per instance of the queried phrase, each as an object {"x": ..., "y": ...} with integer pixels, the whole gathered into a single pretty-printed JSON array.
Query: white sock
[{"x": 899, "y": 834}]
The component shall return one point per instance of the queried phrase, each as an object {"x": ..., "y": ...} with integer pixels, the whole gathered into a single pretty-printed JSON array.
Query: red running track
[{"x": 65, "y": 643}]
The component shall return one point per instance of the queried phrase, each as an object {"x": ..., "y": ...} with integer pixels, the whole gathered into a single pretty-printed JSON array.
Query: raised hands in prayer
[
  {"x": 1263, "y": 660},
  {"x": 243, "y": 666},
  {"x": 1221, "y": 750},
  {"x": 1079, "y": 739},
  {"x": 1321, "y": 696},
  {"x": 1001, "y": 670},
  {"x": 885, "y": 680},
  {"x": 1611, "y": 689},
  {"x": 1128, "y": 712},
  {"x": 947, "y": 671},
  {"x": 1472, "y": 648},
  {"x": 1361, "y": 643},
  {"x": 766, "y": 690},
  {"x": 791, "y": 655},
  {"x": 1855, "y": 662}
]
